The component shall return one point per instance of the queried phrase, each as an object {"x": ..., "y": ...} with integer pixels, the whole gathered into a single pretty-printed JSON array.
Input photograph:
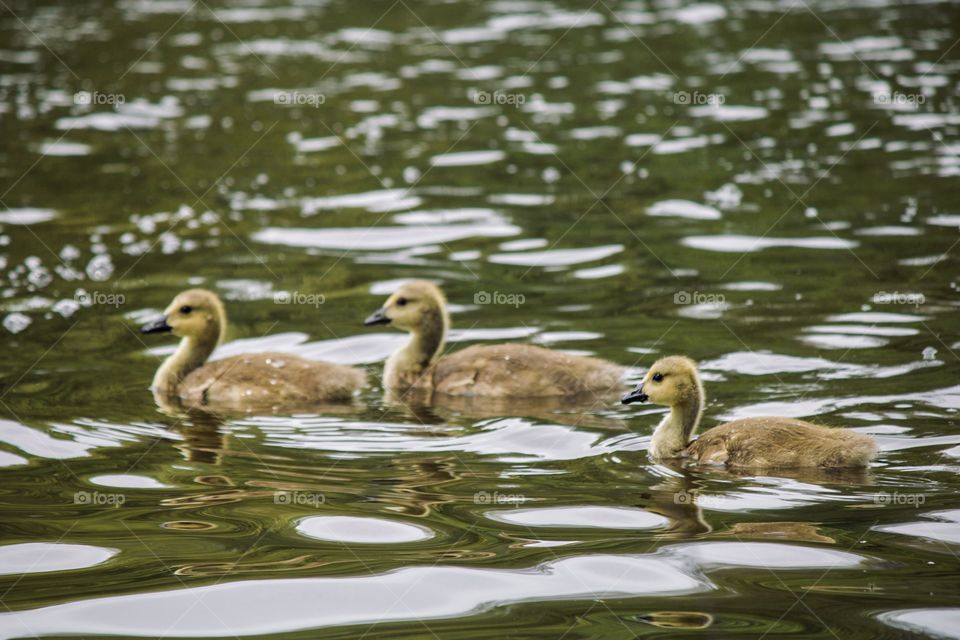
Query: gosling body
[
  {"x": 755, "y": 443},
  {"x": 495, "y": 371},
  {"x": 243, "y": 382}
]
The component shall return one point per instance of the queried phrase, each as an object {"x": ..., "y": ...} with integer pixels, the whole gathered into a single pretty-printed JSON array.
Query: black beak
[
  {"x": 637, "y": 395},
  {"x": 377, "y": 317},
  {"x": 157, "y": 326}
]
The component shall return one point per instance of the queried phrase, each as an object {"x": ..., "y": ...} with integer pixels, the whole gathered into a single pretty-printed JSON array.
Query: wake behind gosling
[
  {"x": 757, "y": 443},
  {"x": 238, "y": 383},
  {"x": 502, "y": 371}
]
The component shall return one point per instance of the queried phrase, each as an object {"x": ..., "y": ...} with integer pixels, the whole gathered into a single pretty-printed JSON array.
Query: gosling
[
  {"x": 754, "y": 443},
  {"x": 500, "y": 371},
  {"x": 241, "y": 382}
]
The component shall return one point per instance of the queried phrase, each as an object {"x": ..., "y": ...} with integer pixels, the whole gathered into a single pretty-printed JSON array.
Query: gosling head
[
  {"x": 413, "y": 307},
  {"x": 196, "y": 313},
  {"x": 670, "y": 381}
]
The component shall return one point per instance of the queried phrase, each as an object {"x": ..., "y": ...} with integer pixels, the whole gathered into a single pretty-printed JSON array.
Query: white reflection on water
[
  {"x": 37, "y": 557},
  {"x": 272, "y": 606},
  {"x": 376, "y": 201},
  {"x": 946, "y": 530},
  {"x": 26, "y": 215},
  {"x": 731, "y": 243},
  {"x": 581, "y": 516},
  {"x": 380, "y": 238},
  {"x": 683, "y": 209},
  {"x": 255, "y": 607},
  {"x": 557, "y": 257},
  {"x": 355, "y": 530},
  {"x": 507, "y": 439},
  {"x": 941, "y": 622}
]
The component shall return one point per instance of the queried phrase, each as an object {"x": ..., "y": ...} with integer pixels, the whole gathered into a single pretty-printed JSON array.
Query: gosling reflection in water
[
  {"x": 681, "y": 501},
  {"x": 204, "y": 440},
  {"x": 677, "y": 619},
  {"x": 415, "y": 484},
  {"x": 585, "y": 411},
  {"x": 412, "y": 485},
  {"x": 669, "y": 499},
  {"x": 792, "y": 531}
]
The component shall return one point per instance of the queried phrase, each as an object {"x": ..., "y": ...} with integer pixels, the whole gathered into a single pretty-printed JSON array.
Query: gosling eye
[
  {"x": 186, "y": 309},
  {"x": 402, "y": 302},
  {"x": 658, "y": 377}
]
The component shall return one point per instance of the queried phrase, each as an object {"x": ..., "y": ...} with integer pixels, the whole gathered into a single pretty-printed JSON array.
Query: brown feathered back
[
  {"x": 522, "y": 370},
  {"x": 782, "y": 443}
]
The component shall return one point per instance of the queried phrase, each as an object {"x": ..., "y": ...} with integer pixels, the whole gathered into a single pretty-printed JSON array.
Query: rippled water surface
[{"x": 769, "y": 187}]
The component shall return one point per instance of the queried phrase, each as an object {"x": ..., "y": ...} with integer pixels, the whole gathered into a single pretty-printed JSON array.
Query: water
[{"x": 768, "y": 187}]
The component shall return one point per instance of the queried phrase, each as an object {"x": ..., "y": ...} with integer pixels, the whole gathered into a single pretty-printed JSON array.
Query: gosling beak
[
  {"x": 377, "y": 317},
  {"x": 157, "y": 326},
  {"x": 637, "y": 395}
]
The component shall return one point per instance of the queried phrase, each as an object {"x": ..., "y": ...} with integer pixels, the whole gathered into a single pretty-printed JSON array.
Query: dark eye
[
  {"x": 401, "y": 302},
  {"x": 185, "y": 309},
  {"x": 658, "y": 377}
]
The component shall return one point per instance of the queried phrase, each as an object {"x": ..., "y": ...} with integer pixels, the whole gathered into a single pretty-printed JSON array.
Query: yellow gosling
[
  {"x": 756, "y": 443},
  {"x": 239, "y": 383},
  {"x": 501, "y": 371}
]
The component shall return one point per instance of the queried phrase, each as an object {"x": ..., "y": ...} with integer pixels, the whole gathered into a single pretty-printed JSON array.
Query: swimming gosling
[
  {"x": 501, "y": 371},
  {"x": 750, "y": 443},
  {"x": 240, "y": 382}
]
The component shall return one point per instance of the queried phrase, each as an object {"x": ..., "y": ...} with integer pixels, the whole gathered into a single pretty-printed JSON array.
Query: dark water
[{"x": 769, "y": 187}]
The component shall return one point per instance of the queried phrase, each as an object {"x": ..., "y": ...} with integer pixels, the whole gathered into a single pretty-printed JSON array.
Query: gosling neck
[
  {"x": 407, "y": 367},
  {"x": 427, "y": 340},
  {"x": 673, "y": 434},
  {"x": 191, "y": 354}
]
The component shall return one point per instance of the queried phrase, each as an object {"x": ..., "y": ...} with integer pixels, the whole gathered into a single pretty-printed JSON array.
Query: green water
[{"x": 767, "y": 187}]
